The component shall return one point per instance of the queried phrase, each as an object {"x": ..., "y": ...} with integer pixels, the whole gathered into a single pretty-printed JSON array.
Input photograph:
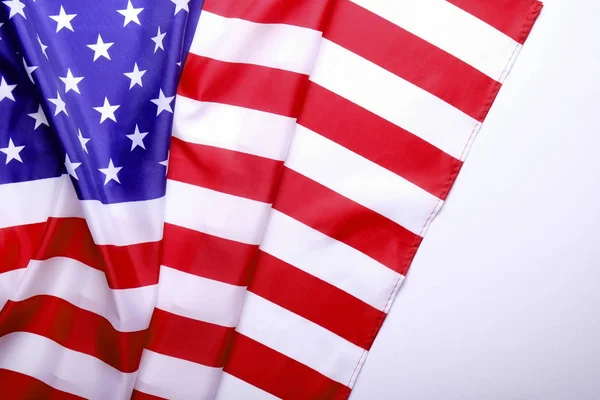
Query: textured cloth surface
[{"x": 312, "y": 144}]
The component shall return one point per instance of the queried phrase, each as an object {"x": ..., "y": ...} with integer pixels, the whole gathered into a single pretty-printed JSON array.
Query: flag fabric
[
  {"x": 86, "y": 107},
  {"x": 313, "y": 143},
  {"x": 308, "y": 158},
  {"x": 237, "y": 103}
]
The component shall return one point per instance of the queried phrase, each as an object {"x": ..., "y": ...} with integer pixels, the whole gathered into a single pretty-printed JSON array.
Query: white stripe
[
  {"x": 392, "y": 98},
  {"x": 119, "y": 224},
  {"x": 298, "y": 338},
  {"x": 199, "y": 298},
  {"x": 125, "y": 223},
  {"x": 329, "y": 260},
  {"x": 174, "y": 378},
  {"x": 128, "y": 310},
  {"x": 233, "y": 128},
  {"x": 231, "y": 387},
  {"x": 215, "y": 213},
  {"x": 9, "y": 284},
  {"x": 451, "y": 29},
  {"x": 63, "y": 369},
  {"x": 282, "y": 46},
  {"x": 360, "y": 180},
  {"x": 34, "y": 201}
]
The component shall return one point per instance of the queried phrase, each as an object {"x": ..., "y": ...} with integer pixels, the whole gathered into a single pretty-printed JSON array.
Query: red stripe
[
  {"x": 412, "y": 58},
  {"x": 223, "y": 170},
  {"x": 125, "y": 266},
  {"x": 333, "y": 309},
  {"x": 278, "y": 374},
  {"x": 74, "y": 328},
  {"x": 208, "y": 256},
  {"x": 18, "y": 245},
  {"x": 137, "y": 395},
  {"x": 378, "y": 140},
  {"x": 346, "y": 221},
  {"x": 245, "y": 85},
  {"x": 306, "y": 13},
  {"x": 17, "y": 386},
  {"x": 514, "y": 18},
  {"x": 188, "y": 339}
]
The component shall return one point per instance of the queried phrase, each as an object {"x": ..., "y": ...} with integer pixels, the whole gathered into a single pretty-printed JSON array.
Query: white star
[
  {"x": 131, "y": 14},
  {"x": 16, "y": 7},
  {"x": 135, "y": 76},
  {"x": 111, "y": 172},
  {"x": 6, "y": 90},
  {"x": 107, "y": 111},
  {"x": 71, "y": 167},
  {"x": 42, "y": 46},
  {"x": 163, "y": 103},
  {"x": 158, "y": 40},
  {"x": 60, "y": 105},
  {"x": 178, "y": 63},
  {"x": 12, "y": 152},
  {"x": 181, "y": 5},
  {"x": 166, "y": 163},
  {"x": 29, "y": 70},
  {"x": 137, "y": 138},
  {"x": 71, "y": 81},
  {"x": 83, "y": 141},
  {"x": 63, "y": 20},
  {"x": 100, "y": 48},
  {"x": 40, "y": 117},
  {"x": 1, "y": 23}
]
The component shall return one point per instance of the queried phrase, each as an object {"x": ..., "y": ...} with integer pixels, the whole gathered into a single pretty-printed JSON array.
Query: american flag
[{"x": 221, "y": 200}]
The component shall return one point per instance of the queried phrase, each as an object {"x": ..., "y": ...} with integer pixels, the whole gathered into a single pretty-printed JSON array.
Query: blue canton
[{"x": 87, "y": 87}]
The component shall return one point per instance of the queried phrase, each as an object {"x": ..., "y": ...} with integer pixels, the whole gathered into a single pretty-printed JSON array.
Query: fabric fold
[{"x": 222, "y": 200}]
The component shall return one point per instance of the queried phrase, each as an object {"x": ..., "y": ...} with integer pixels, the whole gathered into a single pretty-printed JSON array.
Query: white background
[{"x": 503, "y": 298}]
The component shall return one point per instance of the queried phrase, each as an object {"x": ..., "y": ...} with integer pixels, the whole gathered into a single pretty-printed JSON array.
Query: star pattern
[
  {"x": 16, "y": 7},
  {"x": 61, "y": 106},
  {"x": 42, "y": 46},
  {"x": 107, "y": 111},
  {"x": 104, "y": 102},
  {"x": 131, "y": 14},
  {"x": 40, "y": 117},
  {"x": 100, "y": 48},
  {"x": 63, "y": 20},
  {"x": 29, "y": 70},
  {"x": 12, "y": 152},
  {"x": 137, "y": 138},
  {"x": 71, "y": 167},
  {"x": 158, "y": 40},
  {"x": 135, "y": 76},
  {"x": 111, "y": 172},
  {"x": 163, "y": 103},
  {"x": 83, "y": 141},
  {"x": 181, "y": 5},
  {"x": 71, "y": 82},
  {"x": 165, "y": 163},
  {"x": 6, "y": 90}
]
